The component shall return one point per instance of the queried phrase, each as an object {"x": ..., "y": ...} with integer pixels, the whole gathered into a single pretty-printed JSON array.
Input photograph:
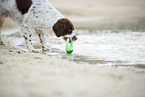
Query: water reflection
[
  {"x": 69, "y": 57},
  {"x": 93, "y": 60}
]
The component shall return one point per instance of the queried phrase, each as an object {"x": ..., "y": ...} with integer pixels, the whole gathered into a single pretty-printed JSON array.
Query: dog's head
[{"x": 64, "y": 27}]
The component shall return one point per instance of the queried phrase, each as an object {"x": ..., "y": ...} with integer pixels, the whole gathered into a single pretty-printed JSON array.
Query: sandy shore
[{"x": 24, "y": 74}]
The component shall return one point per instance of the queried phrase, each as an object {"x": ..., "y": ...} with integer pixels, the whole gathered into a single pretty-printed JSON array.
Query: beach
[{"x": 26, "y": 74}]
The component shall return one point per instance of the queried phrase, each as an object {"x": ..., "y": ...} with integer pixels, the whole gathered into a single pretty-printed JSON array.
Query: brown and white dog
[{"x": 36, "y": 15}]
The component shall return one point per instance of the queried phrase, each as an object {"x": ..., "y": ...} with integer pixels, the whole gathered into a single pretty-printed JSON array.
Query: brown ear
[
  {"x": 58, "y": 28},
  {"x": 23, "y": 5}
]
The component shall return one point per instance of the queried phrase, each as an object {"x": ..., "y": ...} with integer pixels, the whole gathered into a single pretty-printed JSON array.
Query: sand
[{"x": 24, "y": 74}]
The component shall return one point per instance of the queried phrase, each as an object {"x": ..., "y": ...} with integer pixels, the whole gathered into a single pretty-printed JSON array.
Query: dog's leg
[
  {"x": 41, "y": 35},
  {"x": 2, "y": 19},
  {"x": 27, "y": 36},
  {"x": 1, "y": 42}
]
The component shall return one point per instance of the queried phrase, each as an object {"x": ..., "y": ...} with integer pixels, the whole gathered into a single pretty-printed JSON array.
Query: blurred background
[{"x": 104, "y": 14}]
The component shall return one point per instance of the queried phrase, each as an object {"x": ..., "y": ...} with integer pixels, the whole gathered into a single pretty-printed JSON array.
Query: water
[
  {"x": 98, "y": 47},
  {"x": 122, "y": 48}
]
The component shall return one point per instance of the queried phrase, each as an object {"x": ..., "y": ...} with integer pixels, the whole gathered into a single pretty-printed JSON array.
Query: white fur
[
  {"x": 41, "y": 14},
  {"x": 46, "y": 14}
]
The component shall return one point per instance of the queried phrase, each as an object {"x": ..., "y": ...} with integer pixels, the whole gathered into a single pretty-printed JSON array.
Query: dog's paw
[
  {"x": 1, "y": 43},
  {"x": 45, "y": 49},
  {"x": 35, "y": 51}
]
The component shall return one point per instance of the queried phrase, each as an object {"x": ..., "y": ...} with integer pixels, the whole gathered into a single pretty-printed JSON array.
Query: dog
[{"x": 36, "y": 15}]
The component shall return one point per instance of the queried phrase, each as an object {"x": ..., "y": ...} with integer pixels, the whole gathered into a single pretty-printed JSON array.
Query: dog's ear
[
  {"x": 63, "y": 27},
  {"x": 58, "y": 28},
  {"x": 23, "y": 5}
]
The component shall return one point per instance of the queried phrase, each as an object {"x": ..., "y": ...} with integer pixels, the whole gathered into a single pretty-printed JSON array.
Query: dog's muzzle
[{"x": 72, "y": 37}]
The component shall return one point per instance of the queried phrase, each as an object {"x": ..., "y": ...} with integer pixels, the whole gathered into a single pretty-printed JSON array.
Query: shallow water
[
  {"x": 122, "y": 48},
  {"x": 105, "y": 47}
]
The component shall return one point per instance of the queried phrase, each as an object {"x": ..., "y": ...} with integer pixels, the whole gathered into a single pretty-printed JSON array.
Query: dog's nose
[{"x": 71, "y": 37}]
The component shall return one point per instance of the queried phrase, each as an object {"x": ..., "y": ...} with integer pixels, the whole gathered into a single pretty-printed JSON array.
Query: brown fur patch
[
  {"x": 23, "y": 5},
  {"x": 63, "y": 27}
]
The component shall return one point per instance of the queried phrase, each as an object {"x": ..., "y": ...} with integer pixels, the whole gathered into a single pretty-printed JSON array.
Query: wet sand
[{"x": 24, "y": 74}]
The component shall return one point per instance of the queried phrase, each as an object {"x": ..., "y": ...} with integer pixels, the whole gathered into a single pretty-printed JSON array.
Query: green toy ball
[{"x": 69, "y": 48}]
